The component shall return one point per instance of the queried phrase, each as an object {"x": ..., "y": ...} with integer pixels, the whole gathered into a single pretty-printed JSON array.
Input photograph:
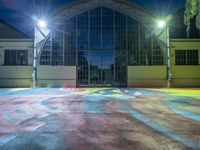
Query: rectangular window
[
  {"x": 16, "y": 57},
  {"x": 186, "y": 57}
]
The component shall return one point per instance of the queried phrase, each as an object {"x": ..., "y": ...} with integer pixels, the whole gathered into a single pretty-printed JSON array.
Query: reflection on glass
[{"x": 101, "y": 43}]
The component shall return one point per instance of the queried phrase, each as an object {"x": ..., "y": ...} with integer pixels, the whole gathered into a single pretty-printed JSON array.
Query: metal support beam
[
  {"x": 77, "y": 67},
  {"x": 168, "y": 60},
  {"x": 89, "y": 48},
  {"x": 34, "y": 73}
]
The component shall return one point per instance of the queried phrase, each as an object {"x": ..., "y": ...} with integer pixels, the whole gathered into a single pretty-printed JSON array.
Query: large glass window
[
  {"x": 58, "y": 47},
  {"x": 82, "y": 32},
  {"x": 101, "y": 43},
  {"x": 16, "y": 57},
  {"x": 186, "y": 57},
  {"x": 95, "y": 29},
  {"x": 101, "y": 29},
  {"x": 70, "y": 35},
  {"x": 120, "y": 31},
  {"x": 133, "y": 42},
  {"x": 107, "y": 29},
  {"x": 46, "y": 53}
]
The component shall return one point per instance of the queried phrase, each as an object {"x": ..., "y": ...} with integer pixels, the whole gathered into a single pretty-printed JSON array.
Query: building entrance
[{"x": 101, "y": 68}]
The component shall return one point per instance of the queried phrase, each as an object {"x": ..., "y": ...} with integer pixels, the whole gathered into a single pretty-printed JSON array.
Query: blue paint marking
[
  {"x": 93, "y": 108},
  {"x": 168, "y": 132},
  {"x": 9, "y": 91},
  {"x": 106, "y": 94},
  {"x": 93, "y": 98},
  {"x": 42, "y": 103},
  {"x": 9, "y": 117},
  {"x": 186, "y": 114},
  {"x": 175, "y": 102},
  {"x": 144, "y": 92},
  {"x": 7, "y": 138}
]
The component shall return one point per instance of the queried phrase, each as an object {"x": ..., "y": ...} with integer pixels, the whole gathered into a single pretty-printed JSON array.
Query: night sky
[{"x": 19, "y": 13}]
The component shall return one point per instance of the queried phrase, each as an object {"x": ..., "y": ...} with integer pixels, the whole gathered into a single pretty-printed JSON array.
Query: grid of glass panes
[
  {"x": 98, "y": 32},
  {"x": 95, "y": 68},
  {"x": 101, "y": 29},
  {"x": 83, "y": 48},
  {"x": 82, "y": 32},
  {"x": 95, "y": 29},
  {"x": 107, "y": 66},
  {"x": 120, "y": 31},
  {"x": 120, "y": 68},
  {"x": 145, "y": 46},
  {"x": 133, "y": 42},
  {"x": 83, "y": 67},
  {"x": 16, "y": 57},
  {"x": 57, "y": 47},
  {"x": 107, "y": 29},
  {"x": 45, "y": 57},
  {"x": 70, "y": 42},
  {"x": 186, "y": 57},
  {"x": 192, "y": 57},
  {"x": 157, "y": 55}
]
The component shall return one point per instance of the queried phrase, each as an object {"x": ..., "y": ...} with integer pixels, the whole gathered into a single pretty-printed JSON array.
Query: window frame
[
  {"x": 186, "y": 56},
  {"x": 13, "y": 57}
]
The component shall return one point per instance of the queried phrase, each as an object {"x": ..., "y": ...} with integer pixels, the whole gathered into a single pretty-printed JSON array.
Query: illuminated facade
[{"x": 101, "y": 43}]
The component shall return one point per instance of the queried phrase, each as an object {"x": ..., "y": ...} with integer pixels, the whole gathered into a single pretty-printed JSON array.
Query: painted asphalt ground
[{"x": 99, "y": 118}]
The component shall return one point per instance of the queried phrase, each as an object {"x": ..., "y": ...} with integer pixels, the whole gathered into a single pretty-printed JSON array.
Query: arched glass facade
[{"x": 101, "y": 43}]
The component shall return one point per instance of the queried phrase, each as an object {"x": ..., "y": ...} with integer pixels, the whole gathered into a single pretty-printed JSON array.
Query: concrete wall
[
  {"x": 56, "y": 76},
  {"x": 147, "y": 76},
  {"x": 15, "y": 76},
  {"x": 185, "y": 75}
]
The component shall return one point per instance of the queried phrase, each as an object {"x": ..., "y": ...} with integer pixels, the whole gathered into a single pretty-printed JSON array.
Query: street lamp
[
  {"x": 40, "y": 24},
  {"x": 162, "y": 25}
]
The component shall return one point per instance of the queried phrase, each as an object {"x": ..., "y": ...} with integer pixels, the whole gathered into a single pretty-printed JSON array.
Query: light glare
[
  {"x": 42, "y": 24},
  {"x": 161, "y": 24}
]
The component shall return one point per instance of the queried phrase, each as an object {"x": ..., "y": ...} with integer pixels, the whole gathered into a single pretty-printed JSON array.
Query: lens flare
[
  {"x": 161, "y": 24},
  {"x": 42, "y": 23}
]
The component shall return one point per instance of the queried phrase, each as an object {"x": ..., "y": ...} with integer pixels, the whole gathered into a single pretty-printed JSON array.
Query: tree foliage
[{"x": 192, "y": 9}]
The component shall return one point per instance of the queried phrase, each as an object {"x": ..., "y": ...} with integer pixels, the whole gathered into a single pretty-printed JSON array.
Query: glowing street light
[
  {"x": 42, "y": 23},
  {"x": 162, "y": 24}
]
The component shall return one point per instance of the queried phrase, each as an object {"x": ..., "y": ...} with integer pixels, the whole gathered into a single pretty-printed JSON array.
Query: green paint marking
[{"x": 194, "y": 93}]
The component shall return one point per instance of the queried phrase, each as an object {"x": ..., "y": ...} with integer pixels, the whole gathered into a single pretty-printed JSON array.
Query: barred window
[
  {"x": 186, "y": 57},
  {"x": 16, "y": 57}
]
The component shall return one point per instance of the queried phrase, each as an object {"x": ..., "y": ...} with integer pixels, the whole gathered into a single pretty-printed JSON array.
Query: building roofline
[
  {"x": 16, "y": 40},
  {"x": 74, "y": 3},
  {"x": 143, "y": 16},
  {"x": 13, "y": 28}
]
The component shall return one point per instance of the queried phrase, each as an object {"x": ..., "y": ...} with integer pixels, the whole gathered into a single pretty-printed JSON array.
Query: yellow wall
[
  {"x": 147, "y": 76},
  {"x": 185, "y": 75},
  {"x": 155, "y": 76},
  {"x": 15, "y": 76}
]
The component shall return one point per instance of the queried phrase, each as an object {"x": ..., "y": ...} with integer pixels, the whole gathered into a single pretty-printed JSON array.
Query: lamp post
[
  {"x": 41, "y": 24},
  {"x": 163, "y": 24}
]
